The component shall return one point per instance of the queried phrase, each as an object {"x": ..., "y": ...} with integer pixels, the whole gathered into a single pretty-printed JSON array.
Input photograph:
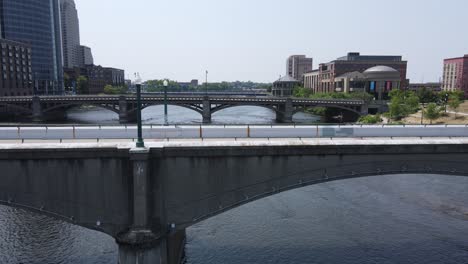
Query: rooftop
[{"x": 287, "y": 78}]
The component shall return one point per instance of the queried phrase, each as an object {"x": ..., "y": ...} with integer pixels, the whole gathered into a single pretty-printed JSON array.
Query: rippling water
[
  {"x": 179, "y": 115},
  {"x": 386, "y": 219},
  {"x": 418, "y": 219}
]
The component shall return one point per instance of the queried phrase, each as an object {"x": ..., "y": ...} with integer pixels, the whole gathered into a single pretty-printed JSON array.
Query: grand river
[{"x": 418, "y": 219}]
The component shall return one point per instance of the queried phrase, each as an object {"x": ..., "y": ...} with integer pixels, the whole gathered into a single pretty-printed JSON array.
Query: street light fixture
[
  {"x": 165, "y": 84},
  {"x": 140, "y": 143}
]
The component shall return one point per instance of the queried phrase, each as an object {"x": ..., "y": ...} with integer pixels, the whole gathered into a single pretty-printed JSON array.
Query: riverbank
[{"x": 450, "y": 118}]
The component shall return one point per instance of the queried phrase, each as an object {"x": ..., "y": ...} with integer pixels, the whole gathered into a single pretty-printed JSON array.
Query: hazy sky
[{"x": 251, "y": 39}]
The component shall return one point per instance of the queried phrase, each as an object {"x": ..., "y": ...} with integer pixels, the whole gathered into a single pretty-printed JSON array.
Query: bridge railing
[{"x": 233, "y": 131}]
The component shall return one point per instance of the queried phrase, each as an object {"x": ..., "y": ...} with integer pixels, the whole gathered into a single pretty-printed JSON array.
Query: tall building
[
  {"x": 456, "y": 75},
  {"x": 297, "y": 65},
  {"x": 325, "y": 78},
  {"x": 15, "y": 71},
  {"x": 86, "y": 56},
  {"x": 70, "y": 34},
  {"x": 36, "y": 23}
]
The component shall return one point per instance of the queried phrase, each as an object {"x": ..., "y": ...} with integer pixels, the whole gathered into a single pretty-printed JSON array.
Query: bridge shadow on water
[{"x": 385, "y": 219}]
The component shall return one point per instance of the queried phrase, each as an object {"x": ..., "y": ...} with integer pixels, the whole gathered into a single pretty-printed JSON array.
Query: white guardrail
[{"x": 244, "y": 131}]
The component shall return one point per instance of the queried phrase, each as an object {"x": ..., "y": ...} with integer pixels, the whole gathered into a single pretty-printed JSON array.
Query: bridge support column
[
  {"x": 140, "y": 245},
  {"x": 206, "y": 110},
  {"x": 125, "y": 113},
  {"x": 148, "y": 241},
  {"x": 364, "y": 110},
  {"x": 285, "y": 112},
  {"x": 37, "y": 115}
]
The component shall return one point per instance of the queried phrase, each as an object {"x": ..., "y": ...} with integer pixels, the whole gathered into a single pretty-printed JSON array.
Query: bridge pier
[
  {"x": 126, "y": 115},
  {"x": 206, "y": 111},
  {"x": 148, "y": 240},
  {"x": 285, "y": 112},
  {"x": 37, "y": 115}
]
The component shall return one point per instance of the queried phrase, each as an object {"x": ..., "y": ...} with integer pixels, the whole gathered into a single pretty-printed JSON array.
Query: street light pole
[
  {"x": 165, "y": 84},
  {"x": 422, "y": 114},
  {"x": 140, "y": 143},
  {"x": 206, "y": 83}
]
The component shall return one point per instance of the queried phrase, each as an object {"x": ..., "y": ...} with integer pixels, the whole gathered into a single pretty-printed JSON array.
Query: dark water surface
[{"x": 386, "y": 219}]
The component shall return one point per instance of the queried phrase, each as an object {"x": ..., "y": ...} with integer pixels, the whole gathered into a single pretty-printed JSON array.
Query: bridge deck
[{"x": 226, "y": 143}]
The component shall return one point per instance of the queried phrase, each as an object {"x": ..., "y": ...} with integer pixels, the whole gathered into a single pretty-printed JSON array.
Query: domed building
[
  {"x": 381, "y": 80},
  {"x": 284, "y": 87}
]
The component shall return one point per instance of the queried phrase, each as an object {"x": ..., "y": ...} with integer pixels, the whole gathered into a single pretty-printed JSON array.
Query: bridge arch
[
  {"x": 195, "y": 108},
  {"x": 68, "y": 106},
  {"x": 227, "y": 106},
  {"x": 16, "y": 107},
  {"x": 239, "y": 188}
]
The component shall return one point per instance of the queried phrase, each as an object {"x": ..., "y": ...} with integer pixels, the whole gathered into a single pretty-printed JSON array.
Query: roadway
[{"x": 95, "y": 132}]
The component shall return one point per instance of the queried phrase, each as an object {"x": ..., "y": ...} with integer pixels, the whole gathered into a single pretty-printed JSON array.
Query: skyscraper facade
[
  {"x": 297, "y": 65},
  {"x": 70, "y": 34},
  {"x": 86, "y": 56},
  {"x": 36, "y": 23}
]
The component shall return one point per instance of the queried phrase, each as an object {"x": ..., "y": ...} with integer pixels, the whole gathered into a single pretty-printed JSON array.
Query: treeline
[
  {"x": 401, "y": 105},
  {"x": 157, "y": 86}
]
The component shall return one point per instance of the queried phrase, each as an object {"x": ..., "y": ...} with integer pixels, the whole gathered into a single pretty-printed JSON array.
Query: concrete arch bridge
[
  {"x": 146, "y": 198},
  {"x": 54, "y": 107}
]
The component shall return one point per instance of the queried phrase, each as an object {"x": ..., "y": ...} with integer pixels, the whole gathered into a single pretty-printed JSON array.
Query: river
[{"x": 418, "y": 219}]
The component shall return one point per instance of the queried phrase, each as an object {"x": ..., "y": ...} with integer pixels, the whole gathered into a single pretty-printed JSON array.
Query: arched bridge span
[
  {"x": 145, "y": 196},
  {"x": 125, "y": 106}
]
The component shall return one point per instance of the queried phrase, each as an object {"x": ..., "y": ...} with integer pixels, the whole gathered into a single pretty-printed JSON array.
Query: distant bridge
[
  {"x": 146, "y": 198},
  {"x": 50, "y": 107}
]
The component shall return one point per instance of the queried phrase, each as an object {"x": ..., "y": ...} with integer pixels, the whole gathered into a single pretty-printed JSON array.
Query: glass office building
[{"x": 37, "y": 24}]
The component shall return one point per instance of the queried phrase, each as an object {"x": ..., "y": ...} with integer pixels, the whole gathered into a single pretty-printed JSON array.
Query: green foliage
[
  {"x": 302, "y": 92},
  {"x": 157, "y": 86},
  {"x": 109, "y": 89},
  {"x": 432, "y": 112},
  {"x": 370, "y": 119},
  {"x": 426, "y": 96},
  {"x": 454, "y": 102},
  {"x": 319, "y": 111},
  {"x": 82, "y": 85},
  {"x": 402, "y": 104}
]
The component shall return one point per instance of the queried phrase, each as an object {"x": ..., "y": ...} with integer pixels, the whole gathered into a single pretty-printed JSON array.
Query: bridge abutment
[{"x": 285, "y": 112}]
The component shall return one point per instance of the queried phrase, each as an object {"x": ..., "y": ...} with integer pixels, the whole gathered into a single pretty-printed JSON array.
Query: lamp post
[
  {"x": 165, "y": 84},
  {"x": 206, "y": 83},
  {"x": 422, "y": 114},
  {"x": 140, "y": 143}
]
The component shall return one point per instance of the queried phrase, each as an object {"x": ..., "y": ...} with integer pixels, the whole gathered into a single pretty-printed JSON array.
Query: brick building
[
  {"x": 323, "y": 79},
  {"x": 97, "y": 77},
  {"x": 16, "y": 78},
  {"x": 297, "y": 65},
  {"x": 456, "y": 75}
]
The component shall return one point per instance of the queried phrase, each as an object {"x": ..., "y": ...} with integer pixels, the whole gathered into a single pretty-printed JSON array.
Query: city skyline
[{"x": 245, "y": 40}]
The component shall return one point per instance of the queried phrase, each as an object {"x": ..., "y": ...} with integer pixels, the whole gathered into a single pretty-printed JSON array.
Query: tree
[
  {"x": 454, "y": 102},
  {"x": 432, "y": 112},
  {"x": 426, "y": 96},
  {"x": 109, "y": 89},
  {"x": 82, "y": 85},
  {"x": 402, "y": 104}
]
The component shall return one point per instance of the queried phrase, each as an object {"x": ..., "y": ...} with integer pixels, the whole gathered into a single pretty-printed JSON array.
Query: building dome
[
  {"x": 380, "y": 69},
  {"x": 382, "y": 73},
  {"x": 287, "y": 79}
]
